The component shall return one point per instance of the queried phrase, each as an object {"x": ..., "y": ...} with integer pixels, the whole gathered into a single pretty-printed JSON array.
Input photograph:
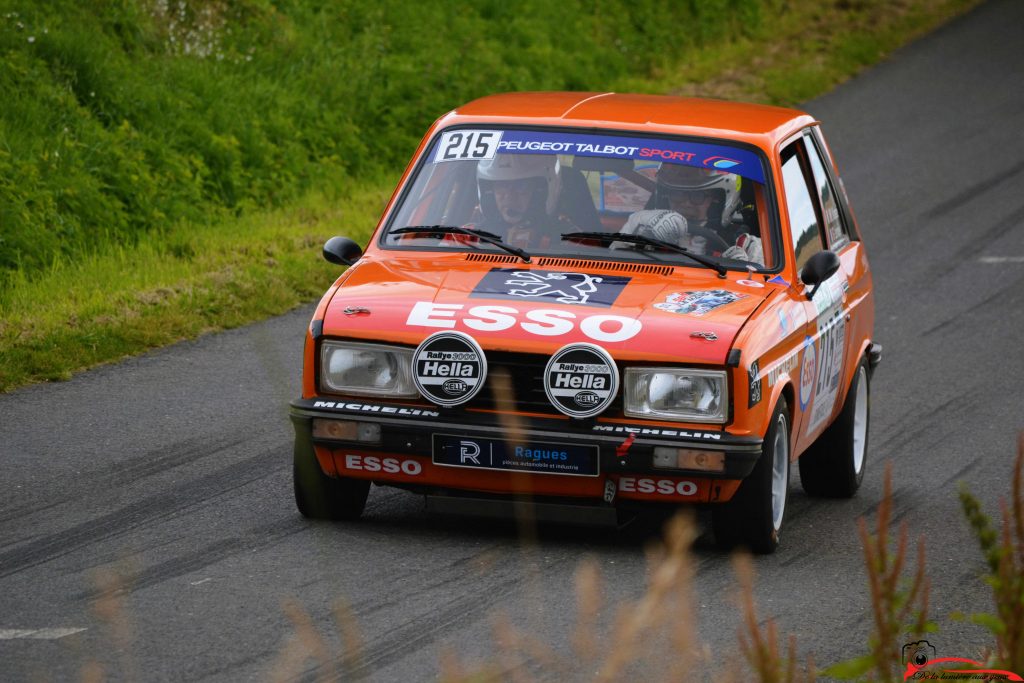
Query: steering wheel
[{"x": 715, "y": 241}]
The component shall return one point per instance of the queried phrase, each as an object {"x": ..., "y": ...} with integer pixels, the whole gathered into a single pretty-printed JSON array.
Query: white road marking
[
  {"x": 1002, "y": 259},
  {"x": 37, "y": 633}
]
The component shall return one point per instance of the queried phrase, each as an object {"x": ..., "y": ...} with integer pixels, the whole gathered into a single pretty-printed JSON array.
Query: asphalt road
[{"x": 147, "y": 529}]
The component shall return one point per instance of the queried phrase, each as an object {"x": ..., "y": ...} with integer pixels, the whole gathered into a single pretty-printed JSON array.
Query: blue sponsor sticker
[{"x": 736, "y": 160}]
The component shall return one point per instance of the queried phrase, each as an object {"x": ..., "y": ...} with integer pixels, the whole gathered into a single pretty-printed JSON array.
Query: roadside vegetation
[{"x": 171, "y": 167}]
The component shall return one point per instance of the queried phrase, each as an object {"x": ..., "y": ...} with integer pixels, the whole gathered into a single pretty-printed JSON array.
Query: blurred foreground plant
[
  {"x": 658, "y": 622},
  {"x": 1004, "y": 554},
  {"x": 899, "y": 604},
  {"x": 761, "y": 648},
  {"x": 651, "y": 638}
]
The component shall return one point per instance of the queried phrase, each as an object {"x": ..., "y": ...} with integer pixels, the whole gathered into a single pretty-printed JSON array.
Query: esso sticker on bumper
[
  {"x": 655, "y": 487},
  {"x": 388, "y": 465}
]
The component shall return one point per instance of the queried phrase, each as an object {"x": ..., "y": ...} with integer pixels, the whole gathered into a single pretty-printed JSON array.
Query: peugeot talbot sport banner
[{"x": 472, "y": 144}]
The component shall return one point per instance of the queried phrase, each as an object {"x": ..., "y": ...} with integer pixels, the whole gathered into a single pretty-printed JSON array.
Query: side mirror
[
  {"x": 342, "y": 251},
  {"x": 819, "y": 268}
]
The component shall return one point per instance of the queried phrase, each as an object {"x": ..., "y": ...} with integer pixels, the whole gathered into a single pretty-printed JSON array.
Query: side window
[
  {"x": 834, "y": 228},
  {"x": 803, "y": 217}
]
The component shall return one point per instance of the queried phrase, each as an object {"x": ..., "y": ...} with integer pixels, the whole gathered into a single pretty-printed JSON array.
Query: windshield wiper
[
  {"x": 648, "y": 242},
  {"x": 483, "y": 235}
]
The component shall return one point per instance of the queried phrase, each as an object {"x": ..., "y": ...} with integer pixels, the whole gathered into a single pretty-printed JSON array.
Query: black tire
[
  {"x": 753, "y": 517},
  {"x": 319, "y": 496},
  {"x": 833, "y": 466}
]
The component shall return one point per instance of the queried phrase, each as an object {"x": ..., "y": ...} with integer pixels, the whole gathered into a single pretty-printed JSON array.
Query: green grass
[
  {"x": 193, "y": 280},
  {"x": 165, "y": 173}
]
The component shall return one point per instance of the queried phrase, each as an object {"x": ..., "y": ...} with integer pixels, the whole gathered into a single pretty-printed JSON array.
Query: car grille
[{"x": 515, "y": 381}]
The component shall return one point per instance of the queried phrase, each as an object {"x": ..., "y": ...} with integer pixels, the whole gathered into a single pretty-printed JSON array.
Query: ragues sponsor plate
[{"x": 525, "y": 456}]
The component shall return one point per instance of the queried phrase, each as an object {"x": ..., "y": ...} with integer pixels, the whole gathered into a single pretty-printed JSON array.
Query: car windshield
[{"x": 531, "y": 188}]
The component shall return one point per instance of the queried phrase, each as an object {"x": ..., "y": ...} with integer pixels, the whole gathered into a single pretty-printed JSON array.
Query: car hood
[{"x": 635, "y": 311}]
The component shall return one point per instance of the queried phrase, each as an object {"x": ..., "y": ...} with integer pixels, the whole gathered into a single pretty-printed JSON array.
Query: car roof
[{"x": 758, "y": 124}]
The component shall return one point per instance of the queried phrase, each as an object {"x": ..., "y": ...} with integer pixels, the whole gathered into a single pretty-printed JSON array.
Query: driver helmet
[
  {"x": 544, "y": 169},
  {"x": 672, "y": 178}
]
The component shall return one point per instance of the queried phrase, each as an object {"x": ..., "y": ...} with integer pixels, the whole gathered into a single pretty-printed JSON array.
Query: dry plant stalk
[
  {"x": 667, "y": 600},
  {"x": 663, "y": 613},
  {"x": 1010, "y": 599},
  {"x": 761, "y": 648},
  {"x": 108, "y": 605},
  {"x": 892, "y": 605},
  {"x": 1004, "y": 552},
  {"x": 351, "y": 639},
  {"x": 308, "y": 643},
  {"x": 588, "y": 604},
  {"x": 514, "y": 429}
]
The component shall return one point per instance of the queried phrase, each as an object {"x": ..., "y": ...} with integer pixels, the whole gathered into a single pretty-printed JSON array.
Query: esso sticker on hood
[{"x": 540, "y": 321}]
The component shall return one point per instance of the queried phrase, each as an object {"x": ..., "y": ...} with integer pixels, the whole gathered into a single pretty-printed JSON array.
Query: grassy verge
[
  {"x": 120, "y": 297},
  {"x": 189, "y": 281}
]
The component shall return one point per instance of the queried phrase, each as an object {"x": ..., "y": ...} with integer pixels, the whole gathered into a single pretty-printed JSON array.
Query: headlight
[
  {"x": 677, "y": 394},
  {"x": 366, "y": 370}
]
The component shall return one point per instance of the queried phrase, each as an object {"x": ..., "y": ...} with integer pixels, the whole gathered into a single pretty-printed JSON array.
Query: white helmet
[
  {"x": 517, "y": 167},
  {"x": 676, "y": 178}
]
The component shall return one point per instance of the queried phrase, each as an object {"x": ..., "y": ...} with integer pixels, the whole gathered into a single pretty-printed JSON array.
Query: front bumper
[{"x": 623, "y": 450}]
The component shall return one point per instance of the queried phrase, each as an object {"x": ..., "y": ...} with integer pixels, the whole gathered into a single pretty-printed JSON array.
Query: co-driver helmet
[{"x": 725, "y": 186}]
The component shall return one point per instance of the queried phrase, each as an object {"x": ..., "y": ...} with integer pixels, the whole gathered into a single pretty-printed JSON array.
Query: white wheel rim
[
  {"x": 780, "y": 471},
  {"x": 860, "y": 421}
]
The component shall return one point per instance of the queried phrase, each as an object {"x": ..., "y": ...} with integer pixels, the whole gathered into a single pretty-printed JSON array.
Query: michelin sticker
[
  {"x": 564, "y": 288},
  {"x": 698, "y": 303},
  {"x": 581, "y": 380},
  {"x": 784, "y": 367},
  {"x": 831, "y": 342},
  {"x": 449, "y": 368}
]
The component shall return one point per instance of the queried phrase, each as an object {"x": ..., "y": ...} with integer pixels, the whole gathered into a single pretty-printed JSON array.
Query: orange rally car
[{"x": 597, "y": 302}]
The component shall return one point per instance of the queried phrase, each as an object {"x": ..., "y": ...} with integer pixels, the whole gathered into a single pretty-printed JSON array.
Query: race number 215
[{"x": 468, "y": 144}]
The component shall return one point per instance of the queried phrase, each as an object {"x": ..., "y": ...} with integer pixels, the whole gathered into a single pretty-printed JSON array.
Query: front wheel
[
  {"x": 833, "y": 466},
  {"x": 753, "y": 518},
  {"x": 319, "y": 496}
]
